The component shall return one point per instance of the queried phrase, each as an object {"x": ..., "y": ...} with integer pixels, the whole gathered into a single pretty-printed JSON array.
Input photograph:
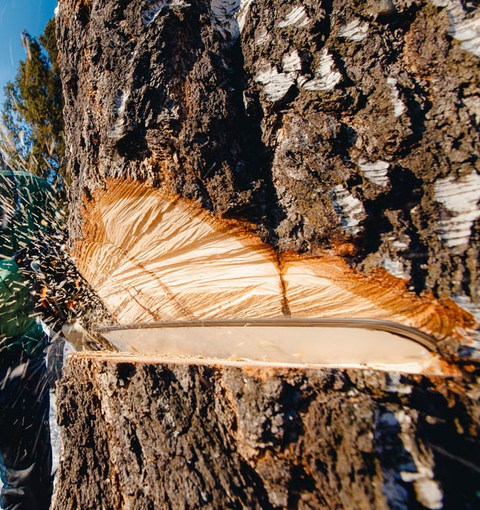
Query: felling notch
[{"x": 155, "y": 257}]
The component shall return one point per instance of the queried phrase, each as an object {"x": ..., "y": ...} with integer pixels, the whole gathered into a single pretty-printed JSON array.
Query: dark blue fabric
[{"x": 25, "y": 450}]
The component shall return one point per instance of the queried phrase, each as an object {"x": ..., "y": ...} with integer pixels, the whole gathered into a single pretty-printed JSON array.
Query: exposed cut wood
[
  {"x": 154, "y": 257},
  {"x": 279, "y": 345}
]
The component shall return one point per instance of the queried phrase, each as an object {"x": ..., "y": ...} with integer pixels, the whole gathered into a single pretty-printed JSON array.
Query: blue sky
[{"x": 16, "y": 16}]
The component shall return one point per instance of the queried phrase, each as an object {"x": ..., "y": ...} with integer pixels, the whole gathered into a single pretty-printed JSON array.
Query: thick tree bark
[
  {"x": 145, "y": 433},
  {"x": 346, "y": 128},
  {"x": 339, "y": 124}
]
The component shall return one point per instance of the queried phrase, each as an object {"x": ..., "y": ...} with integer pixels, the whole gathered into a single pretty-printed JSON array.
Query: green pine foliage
[{"x": 32, "y": 113}]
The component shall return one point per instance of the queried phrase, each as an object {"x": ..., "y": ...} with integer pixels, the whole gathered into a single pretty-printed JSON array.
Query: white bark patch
[
  {"x": 292, "y": 62},
  {"x": 224, "y": 18},
  {"x": 462, "y": 27},
  {"x": 399, "y": 243},
  {"x": 276, "y": 84},
  {"x": 327, "y": 76},
  {"x": 290, "y": 138},
  {"x": 460, "y": 198},
  {"x": 356, "y": 30},
  {"x": 468, "y": 32},
  {"x": 376, "y": 172},
  {"x": 262, "y": 36},
  {"x": 296, "y": 17},
  {"x": 396, "y": 268},
  {"x": 473, "y": 105},
  {"x": 153, "y": 11},
  {"x": 242, "y": 13},
  {"x": 467, "y": 304},
  {"x": 349, "y": 209},
  {"x": 155, "y": 8},
  {"x": 395, "y": 385},
  {"x": 119, "y": 104},
  {"x": 427, "y": 490},
  {"x": 398, "y": 105}
]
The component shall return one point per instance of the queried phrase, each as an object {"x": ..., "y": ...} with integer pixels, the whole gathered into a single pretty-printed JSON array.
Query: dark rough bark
[
  {"x": 344, "y": 122},
  {"x": 347, "y": 125},
  {"x": 146, "y": 434}
]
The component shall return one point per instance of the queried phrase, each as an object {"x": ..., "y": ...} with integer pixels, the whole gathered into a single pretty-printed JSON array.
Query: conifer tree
[{"x": 32, "y": 111}]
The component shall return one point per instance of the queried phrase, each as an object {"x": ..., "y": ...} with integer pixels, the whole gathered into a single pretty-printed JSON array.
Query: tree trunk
[
  {"x": 346, "y": 125},
  {"x": 139, "y": 433},
  {"x": 342, "y": 130}
]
